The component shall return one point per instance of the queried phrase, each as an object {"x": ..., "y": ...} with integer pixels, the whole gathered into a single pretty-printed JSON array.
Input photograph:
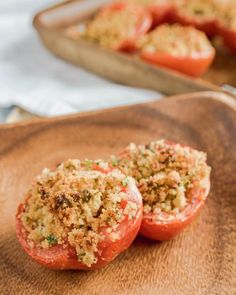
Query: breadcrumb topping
[
  {"x": 164, "y": 173},
  {"x": 176, "y": 40},
  {"x": 74, "y": 204},
  {"x": 228, "y": 16},
  {"x": 146, "y": 2},
  {"x": 204, "y": 10},
  {"x": 109, "y": 27}
]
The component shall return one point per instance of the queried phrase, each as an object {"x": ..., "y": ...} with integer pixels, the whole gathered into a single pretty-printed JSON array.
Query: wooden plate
[
  {"x": 53, "y": 23},
  {"x": 199, "y": 261}
]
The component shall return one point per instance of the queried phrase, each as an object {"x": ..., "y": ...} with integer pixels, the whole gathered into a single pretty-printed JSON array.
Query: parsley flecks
[
  {"x": 114, "y": 162},
  {"x": 52, "y": 240},
  {"x": 125, "y": 181},
  {"x": 88, "y": 163}
]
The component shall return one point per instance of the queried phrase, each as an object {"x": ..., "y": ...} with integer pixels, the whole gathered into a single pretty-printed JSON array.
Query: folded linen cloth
[{"x": 35, "y": 80}]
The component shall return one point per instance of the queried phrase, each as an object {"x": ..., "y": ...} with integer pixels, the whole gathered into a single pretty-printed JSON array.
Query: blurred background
[
  {"x": 33, "y": 80},
  {"x": 35, "y": 83}
]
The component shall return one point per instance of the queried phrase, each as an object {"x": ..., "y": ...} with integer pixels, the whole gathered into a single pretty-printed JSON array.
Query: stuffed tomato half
[
  {"x": 202, "y": 14},
  {"x": 183, "y": 49},
  {"x": 79, "y": 218},
  {"x": 118, "y": 25},
  {"x": 174, "y": 181}
]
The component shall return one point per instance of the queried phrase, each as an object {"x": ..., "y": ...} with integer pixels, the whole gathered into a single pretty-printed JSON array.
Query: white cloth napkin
[{"x": 32, "y": 78}]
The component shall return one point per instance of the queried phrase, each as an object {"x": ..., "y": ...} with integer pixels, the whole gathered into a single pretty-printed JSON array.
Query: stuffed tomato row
[
  {"x": 83, "y": 214},
  {"x": 170, "y": 34},
  {"x": 129, "y": 27}
]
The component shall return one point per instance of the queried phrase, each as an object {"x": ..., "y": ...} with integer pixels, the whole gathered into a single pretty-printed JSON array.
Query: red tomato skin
[
  {"x": 166, "y": 230},
  {"x": 211, "y": 28},
  {"x": 229, "y": 37},
  {"x": 61, "y": 257},
  {"x": 193, "y": 66},
  {"x": 160, "y": 12},
  {"x": 144, "y": 25}
]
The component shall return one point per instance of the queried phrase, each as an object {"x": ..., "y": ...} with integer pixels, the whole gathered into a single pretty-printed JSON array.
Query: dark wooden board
[
  {"x": 52, "y": 24},
  {"x": 201, "y": 260}
]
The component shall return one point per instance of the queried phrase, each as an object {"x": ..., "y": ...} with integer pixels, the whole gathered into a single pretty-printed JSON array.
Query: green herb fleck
[
  {"x": 52, "y": 240},
  {"x": 114, "y": 161},
  {"x": 125, "y": 181},
  {"x": 88, "y": 163},
  {"x": 185, "y": 182}
]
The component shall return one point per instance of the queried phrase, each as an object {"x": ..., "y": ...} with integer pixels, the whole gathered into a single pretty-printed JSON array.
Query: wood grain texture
[
  {"x": 123, "y": 68},
  {"x": 201, "y": 260}
]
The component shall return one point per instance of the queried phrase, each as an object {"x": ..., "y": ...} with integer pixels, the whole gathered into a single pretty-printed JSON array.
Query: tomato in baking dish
[
  {"x": 202, "y": 14},
  {"x": 78, "y": 218},
  {"x": 183, "y": 49},
  {"x": 173, "y": 181},
  {"x": 118, "y": 25}
]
